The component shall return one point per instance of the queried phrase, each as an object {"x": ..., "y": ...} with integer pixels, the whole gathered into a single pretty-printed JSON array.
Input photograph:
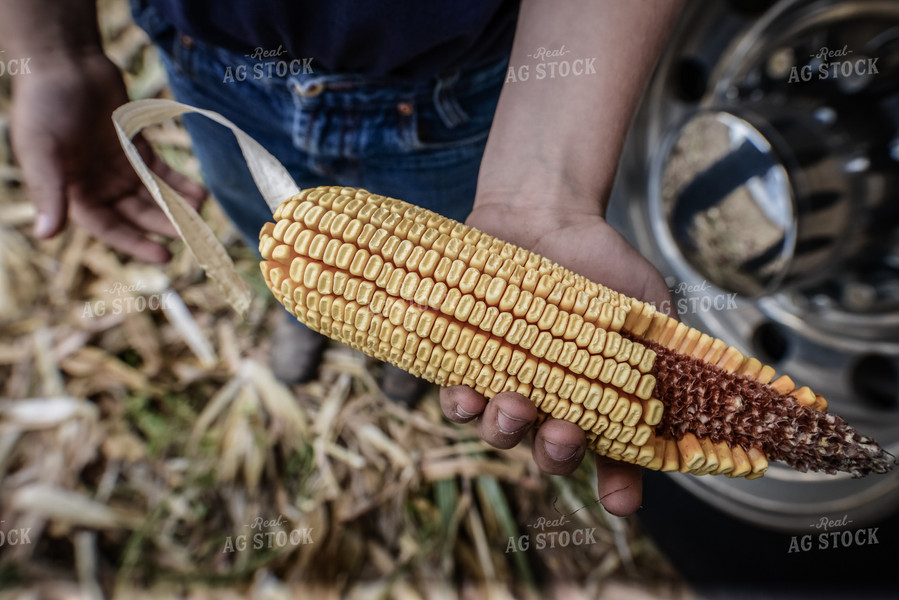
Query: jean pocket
[{"x": 456, "y": 116}]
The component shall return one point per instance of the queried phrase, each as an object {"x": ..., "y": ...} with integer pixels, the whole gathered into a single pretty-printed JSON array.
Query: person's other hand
[
  {"x": 587, "y": 245},
  {"x": 73, "y": 164}
]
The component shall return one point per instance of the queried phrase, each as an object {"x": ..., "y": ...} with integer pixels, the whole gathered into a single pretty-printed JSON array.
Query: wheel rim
[{"x": 822, "y": 304}]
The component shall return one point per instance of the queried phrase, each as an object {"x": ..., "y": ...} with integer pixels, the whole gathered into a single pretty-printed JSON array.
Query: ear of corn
[{"x": 456, "y": 306}]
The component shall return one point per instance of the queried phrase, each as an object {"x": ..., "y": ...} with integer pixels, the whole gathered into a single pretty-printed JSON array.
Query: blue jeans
[{"x": 418, "y": 141}]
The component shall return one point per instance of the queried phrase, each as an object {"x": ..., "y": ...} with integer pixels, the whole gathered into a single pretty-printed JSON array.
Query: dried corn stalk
[{"x": 456, "y": 306}]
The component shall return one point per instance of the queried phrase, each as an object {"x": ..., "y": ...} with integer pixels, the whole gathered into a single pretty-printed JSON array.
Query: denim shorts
[{"x": 420, "y": 141}]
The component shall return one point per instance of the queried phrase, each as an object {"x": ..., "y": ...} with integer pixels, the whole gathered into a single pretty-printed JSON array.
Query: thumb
[
  {"x": 620, "y": 486},
  {"x": 44, "y": 177}
]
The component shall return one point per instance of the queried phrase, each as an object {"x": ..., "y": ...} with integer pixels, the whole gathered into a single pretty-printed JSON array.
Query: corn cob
[{"x": 453, "y": 305}]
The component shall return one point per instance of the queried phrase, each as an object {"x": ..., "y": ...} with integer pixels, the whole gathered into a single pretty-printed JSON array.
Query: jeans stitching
[{"x": 446, "y": 104}]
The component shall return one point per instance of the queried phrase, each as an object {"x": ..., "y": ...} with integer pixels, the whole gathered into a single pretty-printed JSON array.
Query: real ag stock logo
[
  {"x": 828, "y": 68},
  {"x": 127, "y": 298},
  {"x": 833, "y": 537},
  {"x": 552, "y": 64},
  {"x": 695, "y": 298},
  {"x": 14, "y": 66},
  {"x": 552, "y": 533},
  {"x": 266, "y": 538},
  {"x": 14, "y": 537},
  {"x": 266, "y": 69}
]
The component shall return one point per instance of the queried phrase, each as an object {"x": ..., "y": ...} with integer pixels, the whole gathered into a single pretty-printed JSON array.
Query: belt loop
[{"x": 445, "y": 102}]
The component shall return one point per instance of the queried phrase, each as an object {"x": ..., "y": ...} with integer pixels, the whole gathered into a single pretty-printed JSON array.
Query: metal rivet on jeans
[
  {"x": 405, "y": 108},
  {"x": 187, "y": 41},
  {"x": 308, "y": 92}
]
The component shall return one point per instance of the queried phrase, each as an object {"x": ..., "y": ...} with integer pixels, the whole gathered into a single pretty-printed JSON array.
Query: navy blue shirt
[{"x": 379, "y": 38}]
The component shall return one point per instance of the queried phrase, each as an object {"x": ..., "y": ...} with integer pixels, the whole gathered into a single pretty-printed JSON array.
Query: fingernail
[
  {"x": 464, "y": 414},
  {"x": 559, "y": 452},
  {"x": 42, "y": 225},
  {"x": 509, "y": 424}
]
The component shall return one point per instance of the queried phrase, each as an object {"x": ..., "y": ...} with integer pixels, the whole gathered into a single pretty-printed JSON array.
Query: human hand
[
  {"x": 586, "y": 244},
  {"x": 72, "y": 161}
]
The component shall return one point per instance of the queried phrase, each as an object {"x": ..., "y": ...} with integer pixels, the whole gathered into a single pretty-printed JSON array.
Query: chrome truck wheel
[{"x": 762, "y": 177}]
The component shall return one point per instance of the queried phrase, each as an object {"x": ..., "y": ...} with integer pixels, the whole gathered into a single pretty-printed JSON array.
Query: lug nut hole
[
  {"x": 751, "y": 7},
  {"x": 770, "y": 342},
  {"x": 690, "y": 79},
  {"x": 875, "y": 380}
]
